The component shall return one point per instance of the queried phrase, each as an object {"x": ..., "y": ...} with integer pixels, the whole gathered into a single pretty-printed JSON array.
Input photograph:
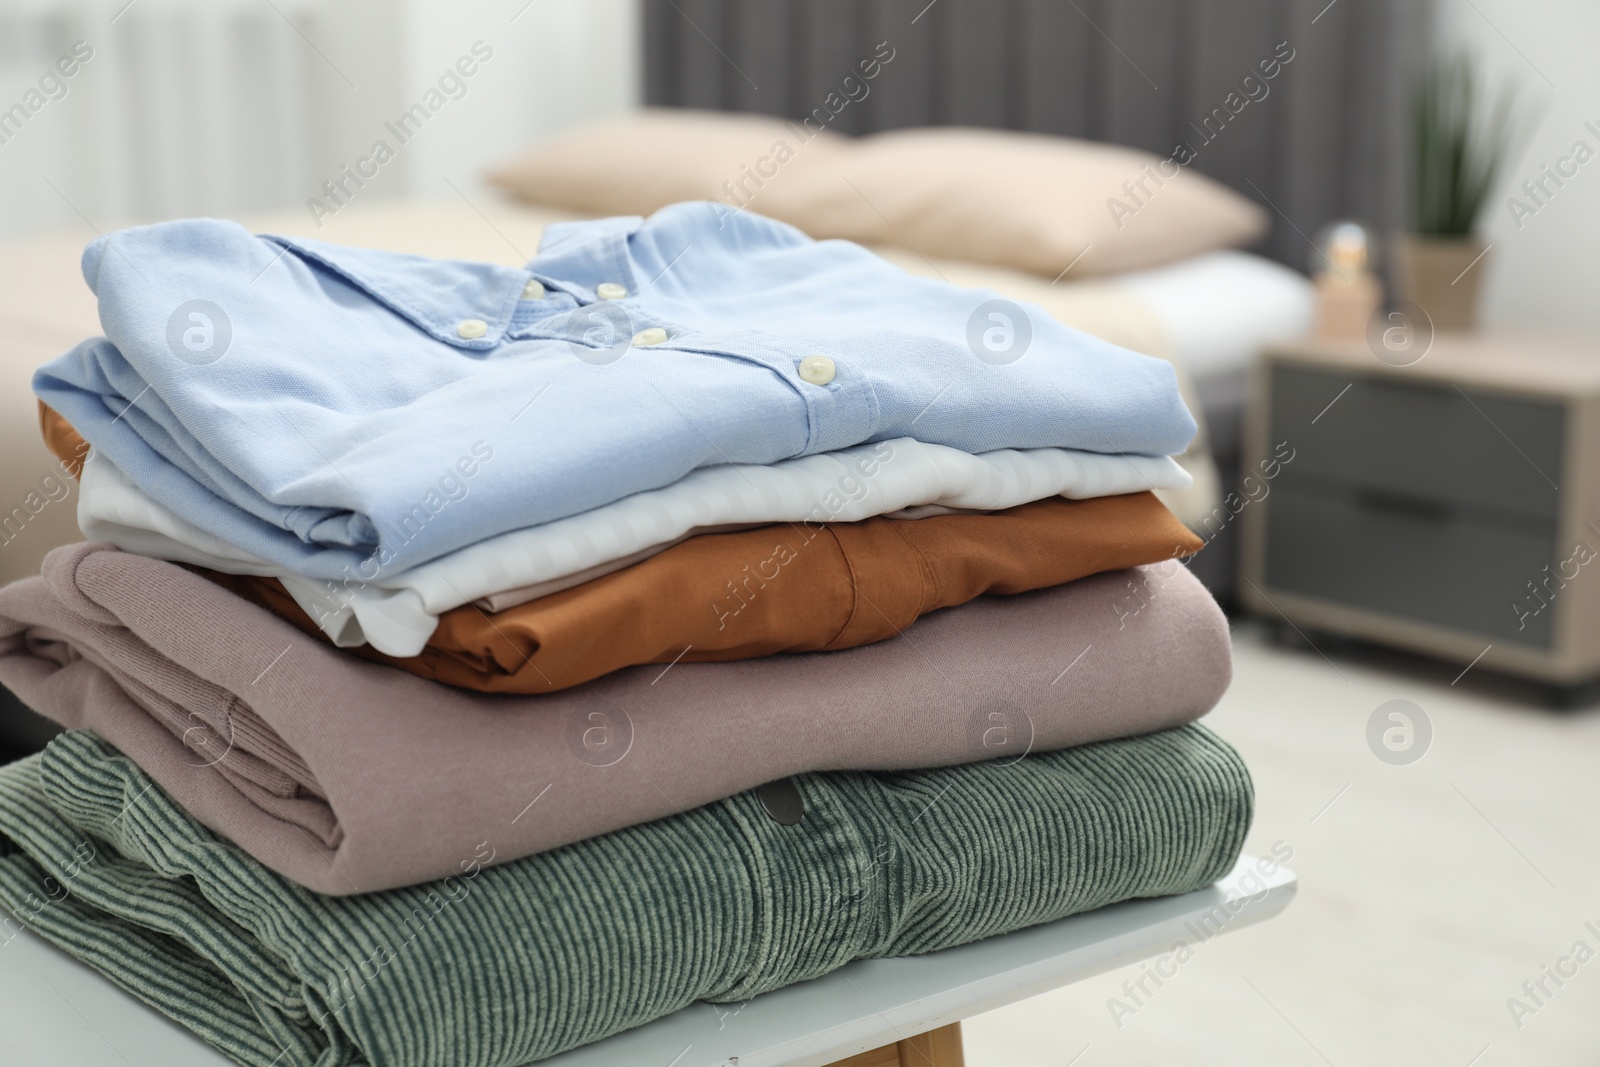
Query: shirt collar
[
  {"x": 576, "y": 257},
  {"x": 435, "y": 295}
]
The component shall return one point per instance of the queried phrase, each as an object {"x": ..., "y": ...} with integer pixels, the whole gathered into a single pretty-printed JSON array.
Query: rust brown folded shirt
[
  {"x": 751, "y": 593},
  {"x": 64, "y": 442},
  {"x": 775, "y": 589}
]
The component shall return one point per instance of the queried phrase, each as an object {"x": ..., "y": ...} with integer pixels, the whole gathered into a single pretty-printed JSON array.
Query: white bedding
[{"x": 1218, "y": 309}]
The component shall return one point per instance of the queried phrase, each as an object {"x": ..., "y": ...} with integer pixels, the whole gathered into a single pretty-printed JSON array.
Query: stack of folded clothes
[{"x": 468, "y": 662}]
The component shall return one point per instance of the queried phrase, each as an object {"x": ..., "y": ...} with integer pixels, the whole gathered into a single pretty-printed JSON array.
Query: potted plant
[{"x": 1457, "y": 156}]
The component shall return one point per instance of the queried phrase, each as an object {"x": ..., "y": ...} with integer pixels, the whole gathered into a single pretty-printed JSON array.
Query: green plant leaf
[{"x": 1457, "y": 153}]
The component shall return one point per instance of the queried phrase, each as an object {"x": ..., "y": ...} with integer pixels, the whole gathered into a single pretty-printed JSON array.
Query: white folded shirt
[{"x": 397, "y": 612}]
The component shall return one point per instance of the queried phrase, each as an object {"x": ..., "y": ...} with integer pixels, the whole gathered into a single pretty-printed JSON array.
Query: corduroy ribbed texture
[{"x": 513, "y": 963}]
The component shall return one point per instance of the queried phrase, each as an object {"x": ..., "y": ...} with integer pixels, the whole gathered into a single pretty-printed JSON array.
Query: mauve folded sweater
[{"x": 350, "y": 777}]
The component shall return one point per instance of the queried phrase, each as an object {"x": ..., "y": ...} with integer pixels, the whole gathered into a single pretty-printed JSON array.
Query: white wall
[
  {"x": 560, "y": 64},
  {"x": 1547, "y": 272},
  {"x": 221, "y": 107}
]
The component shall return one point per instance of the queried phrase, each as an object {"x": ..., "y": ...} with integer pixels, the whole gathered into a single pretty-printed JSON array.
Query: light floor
[{"x": 1429, "y": 893}]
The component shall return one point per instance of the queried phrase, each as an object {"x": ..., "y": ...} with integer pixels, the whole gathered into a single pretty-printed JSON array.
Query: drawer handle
[{"x": 1400, "y": 504}]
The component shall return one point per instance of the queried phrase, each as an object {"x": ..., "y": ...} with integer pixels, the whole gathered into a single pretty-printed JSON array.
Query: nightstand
[{"x": 1449, "y": 506}]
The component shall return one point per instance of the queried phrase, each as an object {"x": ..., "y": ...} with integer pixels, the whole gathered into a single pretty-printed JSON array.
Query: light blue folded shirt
[{"x": 342, "y": 410}]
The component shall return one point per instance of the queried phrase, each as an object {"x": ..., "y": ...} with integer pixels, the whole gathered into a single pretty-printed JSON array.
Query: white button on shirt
[
  {"x": 533, "y": 290},
  {"x": 471, "y": 328},
  {"x": 818, "y": 370},
  {"x": 652, "y": 336},
  {"x": 610, "y": 291}
]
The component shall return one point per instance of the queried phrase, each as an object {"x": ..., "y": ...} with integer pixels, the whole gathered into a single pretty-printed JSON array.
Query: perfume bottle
[{"x": 1348, "y": 293}]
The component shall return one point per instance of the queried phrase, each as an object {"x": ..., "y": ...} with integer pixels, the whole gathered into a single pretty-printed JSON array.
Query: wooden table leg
[{"x": 936, "y": 1048}]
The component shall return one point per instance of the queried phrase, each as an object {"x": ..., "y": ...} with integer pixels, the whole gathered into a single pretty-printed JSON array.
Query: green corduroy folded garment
[{"x": 508, "y": 964}]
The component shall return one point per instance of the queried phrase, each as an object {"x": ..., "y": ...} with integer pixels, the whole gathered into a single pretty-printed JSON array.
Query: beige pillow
[
  {"x": 1028, "y": 201},
  {"x": 649, "y": 159}
]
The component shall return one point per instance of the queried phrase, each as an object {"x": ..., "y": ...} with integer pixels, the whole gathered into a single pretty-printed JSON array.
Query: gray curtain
[{"x": 1326, "y": 142}]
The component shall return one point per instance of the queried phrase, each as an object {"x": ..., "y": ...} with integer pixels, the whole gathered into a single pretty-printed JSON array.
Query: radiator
[{"x": 173, "y": 108}]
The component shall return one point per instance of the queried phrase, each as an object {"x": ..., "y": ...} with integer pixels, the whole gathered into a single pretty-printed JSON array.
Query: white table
[{"x": 54, "y": 1010}]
